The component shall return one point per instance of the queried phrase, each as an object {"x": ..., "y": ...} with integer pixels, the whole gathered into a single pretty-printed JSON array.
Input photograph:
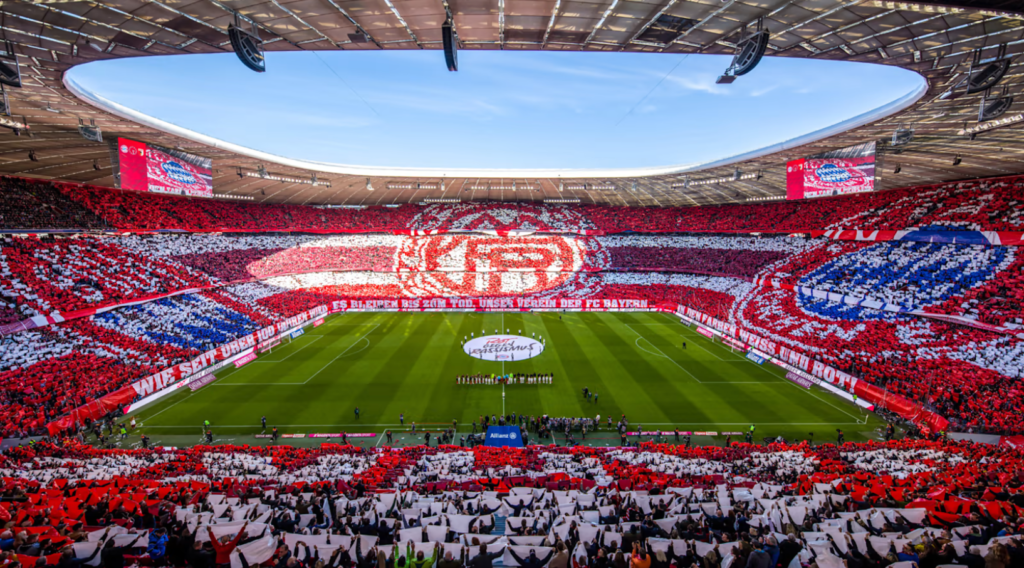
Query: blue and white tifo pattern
[
  {"x": 833, "y": 311},
  {"x": 906, "y": 276},
  {"x": 831, "y": 173},
  {"x": 190, "y": 321}
]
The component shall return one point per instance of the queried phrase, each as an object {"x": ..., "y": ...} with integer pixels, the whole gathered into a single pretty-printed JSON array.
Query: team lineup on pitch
[{"x": 401, "y": 371}]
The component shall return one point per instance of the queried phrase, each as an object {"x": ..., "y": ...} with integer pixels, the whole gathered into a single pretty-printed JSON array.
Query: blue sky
[{"x": 502, "y": 109}]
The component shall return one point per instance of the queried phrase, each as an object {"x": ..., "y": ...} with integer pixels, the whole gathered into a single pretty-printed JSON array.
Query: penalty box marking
[{"x": 339, "y": 356}]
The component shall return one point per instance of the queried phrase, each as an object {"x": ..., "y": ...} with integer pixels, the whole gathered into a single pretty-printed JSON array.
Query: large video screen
[
  {"x": 143, "y": 167},
  {"x": 839, "y": 172}
]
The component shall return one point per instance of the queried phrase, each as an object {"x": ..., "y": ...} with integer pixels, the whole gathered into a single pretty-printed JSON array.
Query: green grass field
[{"x": 388, "y": 364}]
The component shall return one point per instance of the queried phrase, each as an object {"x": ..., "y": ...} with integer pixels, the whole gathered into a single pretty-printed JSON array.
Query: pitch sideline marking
[
  {"x": 662, "y": 354},
  {"x": 605, "y": 430},
  {"x": 172, "y": 406},
  {"x": 708, "y": 351},
  {"x": 642, "y": 348},
  {"x": 375, "y": 326},
  {"x": 782, "y": 379},
  {"x": 334, "y": 323},
  {"x": 340, "y": 355},
  {"x": 293, "y": 353},
  {"x": 811, "y": 392},
  {"x": 674, "y": 362}
]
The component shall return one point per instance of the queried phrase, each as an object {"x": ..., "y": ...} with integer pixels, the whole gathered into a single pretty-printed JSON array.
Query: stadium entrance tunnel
[{"x": 504, "y": 114}]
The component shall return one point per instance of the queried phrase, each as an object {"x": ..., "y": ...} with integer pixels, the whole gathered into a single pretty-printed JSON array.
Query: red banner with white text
[{"x": 499, "y": 303}]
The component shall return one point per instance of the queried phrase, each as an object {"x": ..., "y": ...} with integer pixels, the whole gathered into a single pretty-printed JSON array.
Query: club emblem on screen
[
  {"x": 178, "y": 173},
  {"x": 832, "y": 173}
]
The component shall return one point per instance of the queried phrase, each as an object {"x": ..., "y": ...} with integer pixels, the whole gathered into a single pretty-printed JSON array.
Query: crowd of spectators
[
  {"x": 47, "y": 275},
  {"x": 46, "y": 372},
  {"x": 189, "y": 321},
  {"x": 997, "y": 301},
  {"x": 970, "y": 373},
  {"x": 34, "y": 204},
  {"x": 788, "y": 245},
  {"x": 708, "y": 292},
  {"x": 902, "y": 504},
  {"x": 983, "y": 283},
  {"x": 73, "y": 273},
  {"x": 43, "y": 276},
  {"x": 910, "y": 275},
  {"x": 243, "y": 257},
  {"x": 719, "y": 262},
  {"x": 992, "y": 205},
  {"x": 160, "y": 212},
  {"x": 487, "y": 253},
  {"x": 967, "y": 372},
  {"x": 309, "y": 259}
]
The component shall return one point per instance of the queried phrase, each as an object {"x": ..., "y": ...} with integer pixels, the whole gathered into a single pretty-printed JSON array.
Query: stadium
[{"x": 296, "y": 284}]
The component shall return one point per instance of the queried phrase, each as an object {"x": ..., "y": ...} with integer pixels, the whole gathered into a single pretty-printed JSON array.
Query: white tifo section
[
  {"x": 21, "y": 350},
  {"x": 503, "y": 348},
  {"x": 724, "y": 284},
  {"x": 482, "y": 253},
  {"x": 576, "y": 285},
  {"x": 177, "y": 245},
  {"x": 778, "y": 244}
]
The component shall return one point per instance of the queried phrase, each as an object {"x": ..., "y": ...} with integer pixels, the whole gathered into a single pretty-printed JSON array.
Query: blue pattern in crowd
[
  {"x": 188, "y": 321},
  {"x": 838, "y": 311},
  {"x": 940, "y": 227},
  {"x": 895, "y": 266}
]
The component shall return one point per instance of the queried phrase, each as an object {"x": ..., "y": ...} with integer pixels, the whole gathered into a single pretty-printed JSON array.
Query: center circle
[{"x": 503, "y": 348}]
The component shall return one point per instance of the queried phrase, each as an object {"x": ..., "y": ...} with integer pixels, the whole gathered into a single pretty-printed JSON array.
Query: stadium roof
[{"x": 936, "y": 40}]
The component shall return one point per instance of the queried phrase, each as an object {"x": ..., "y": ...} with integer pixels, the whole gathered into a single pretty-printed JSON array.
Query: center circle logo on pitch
[{"x": 503, "y": 348}]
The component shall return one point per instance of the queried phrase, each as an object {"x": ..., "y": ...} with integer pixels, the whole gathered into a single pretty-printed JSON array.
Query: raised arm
[{"x": 429, "y": 561}]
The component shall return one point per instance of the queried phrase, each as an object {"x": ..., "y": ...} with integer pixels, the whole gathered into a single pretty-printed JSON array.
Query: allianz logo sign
[{"x": 509, "y": 436}]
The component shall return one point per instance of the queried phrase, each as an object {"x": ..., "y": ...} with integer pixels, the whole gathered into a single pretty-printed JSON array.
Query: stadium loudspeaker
[
  {"x": 988, "y": 76},
  {"x": 992, "y": 109},
  {"x": 751, "y": 50},
  {"x": 248, "y": 46},
  {"x": 451, "y": 45}
]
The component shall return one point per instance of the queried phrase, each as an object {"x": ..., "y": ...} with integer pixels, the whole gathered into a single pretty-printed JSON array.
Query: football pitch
[{"x": 393, "y": 364}]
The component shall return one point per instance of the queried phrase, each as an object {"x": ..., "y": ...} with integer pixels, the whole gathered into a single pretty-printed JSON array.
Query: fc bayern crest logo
[
  {"x": 482, "y": 265},
  {"x": 831, "y": 173},
  {"x": 178, "y": 173},
  {"x": 475, "y": 217}
]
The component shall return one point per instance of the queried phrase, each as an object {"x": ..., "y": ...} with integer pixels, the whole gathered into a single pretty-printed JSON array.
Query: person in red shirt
[{"x": 225, "y": 546}]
